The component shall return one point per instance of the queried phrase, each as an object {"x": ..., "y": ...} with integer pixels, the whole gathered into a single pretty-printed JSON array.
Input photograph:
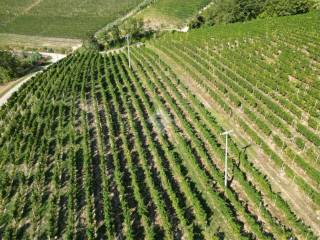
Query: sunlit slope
[
  {"x": 171, "y": 13},
  {"x": 261, "y": 78},
  {"x": 60, "y": 18},
  {"x": 94, "y": 149}
]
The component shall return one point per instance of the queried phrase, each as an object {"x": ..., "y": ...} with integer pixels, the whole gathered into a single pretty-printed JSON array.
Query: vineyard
[
  {"x": 171, "y": 13},
  {"x": 58, "y": 18},
  {"x": 94, "y": 149}
]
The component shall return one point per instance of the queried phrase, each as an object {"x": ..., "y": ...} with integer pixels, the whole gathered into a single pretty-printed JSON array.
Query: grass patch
[{"x": 172, "y": 12}]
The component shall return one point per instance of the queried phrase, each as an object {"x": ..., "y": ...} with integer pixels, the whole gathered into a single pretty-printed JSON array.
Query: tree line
[{"x": 231, "y": 11}]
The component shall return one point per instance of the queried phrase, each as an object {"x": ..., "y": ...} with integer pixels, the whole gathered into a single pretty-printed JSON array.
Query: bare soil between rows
[{"x": 297, "y": 200}]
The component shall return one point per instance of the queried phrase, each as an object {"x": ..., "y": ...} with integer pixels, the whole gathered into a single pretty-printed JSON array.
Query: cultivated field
[
  {"x": 171, "y": 13},
  {"x": 23, "y": 42},
  {"x": 93, "y": 149},
  {"x": 59, "y": 18}
]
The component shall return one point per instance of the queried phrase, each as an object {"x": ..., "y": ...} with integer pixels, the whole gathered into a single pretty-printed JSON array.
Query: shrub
[
  {"x": 274, "y": 8},
  {"x": 8, "y": 66},
  {"x": 91, "y": 43}
]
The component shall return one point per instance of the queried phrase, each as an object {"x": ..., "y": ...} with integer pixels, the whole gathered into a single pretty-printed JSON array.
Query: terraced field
[{"x": 92, "y": 148}]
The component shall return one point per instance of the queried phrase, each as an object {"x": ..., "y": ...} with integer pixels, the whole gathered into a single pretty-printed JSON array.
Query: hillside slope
[
  {"x": 60, "y": 18},
  {"x": 171, "y": 13},
  {"x": 94, "y": 149},
  {"x": 261, "y": 79}
]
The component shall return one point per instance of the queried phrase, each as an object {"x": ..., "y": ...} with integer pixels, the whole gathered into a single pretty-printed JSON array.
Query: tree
[
  {"x": 109, "y": 38},
  {"x": 116, "y": 36},
  {"x": 274, "y": 8},
  {"x": 248, "y": 9},
  {"x": 223, "y": 12},
  {"x": 197, "y": 22},
  {"x": 34, "y": 58},
  {"x": 230, "y": 11},
  {"x": 91, "y": 43},
  {"x": 8, "y": 66},
  {"x": 134, "y": 27}
]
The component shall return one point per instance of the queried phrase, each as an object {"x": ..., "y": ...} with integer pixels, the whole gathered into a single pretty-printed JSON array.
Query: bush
[
  {"x": 34, "y": 58},
  {"x": 8, "y": 66},
  {"x": 116, "y": 36},
  {"x": 197, "y": 22},
  {"x": 230, "y": 11},
  {"x": 274, "y": 8},
  {"x": 5, "y": 74},
  {"x": 91, "y": 43}
]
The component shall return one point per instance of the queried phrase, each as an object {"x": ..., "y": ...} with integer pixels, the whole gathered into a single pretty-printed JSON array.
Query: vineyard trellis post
[
  {"x": 227, "y": 133},
  {"x": 127, "y": 37}
]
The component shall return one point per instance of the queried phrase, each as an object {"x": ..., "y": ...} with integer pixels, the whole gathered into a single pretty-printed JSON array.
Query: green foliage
[
  {"x": 180, "y": 10},
  {"x": 197, "y": 22},
  {"x": 56, "y": 18},
  {"x": 237, "y": 68},
  {"x": 276, "y": 8},
  {"x": 97, "y": 165},
  {"x": 230, "y": 11},
  {"x": 110, "y": 37},
  {"x": 116, "y": 36},
  {"x": 9, "y": 64},
  {"x": 5, "y": 74},
  {"x": 248, "y": 9},
  {"x": 91, "y": 43},
  {"x": 309, "y": 134},
  {"x": 13, "y": 65},
  {"x": 300, "y": 143},
  {"x": 133, "y": 27},
  {"x": 34, "y": 58}
]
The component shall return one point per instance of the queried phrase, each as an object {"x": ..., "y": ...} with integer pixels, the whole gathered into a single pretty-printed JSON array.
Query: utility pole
[
  {"x": 227, "y": 133},
  {"x": 127, "y": 37}
]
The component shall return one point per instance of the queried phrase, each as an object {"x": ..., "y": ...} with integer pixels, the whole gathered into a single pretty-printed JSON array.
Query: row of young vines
[{"x": 93, "y": 148}]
